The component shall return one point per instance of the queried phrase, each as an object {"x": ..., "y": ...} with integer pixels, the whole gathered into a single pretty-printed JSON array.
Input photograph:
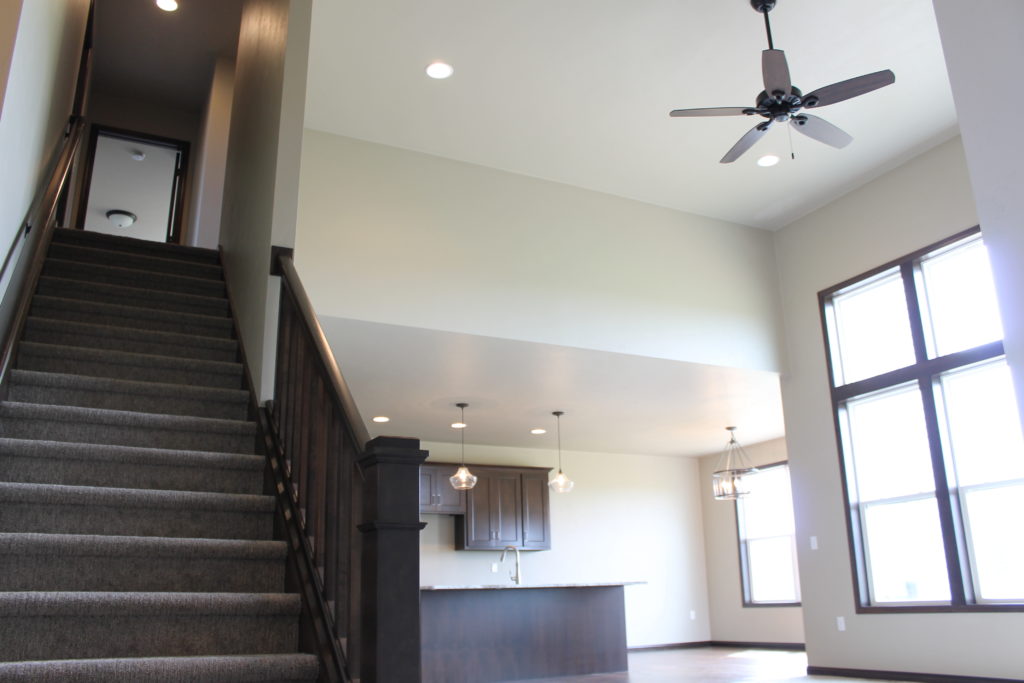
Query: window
[
  {"x": 929, "y": 432},
  {"x": 767, "y": 542}
]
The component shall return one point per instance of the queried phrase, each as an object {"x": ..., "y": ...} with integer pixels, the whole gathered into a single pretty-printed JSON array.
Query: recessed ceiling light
[
  {"x": 538, "y": 431},
  {"x": 167, "y": 5},
  {"x": 382, "y": 418},
  {"x": 767, "y": 160},
  {"x": 440, "y": 70},
  {"x": 458, "y": 425}
]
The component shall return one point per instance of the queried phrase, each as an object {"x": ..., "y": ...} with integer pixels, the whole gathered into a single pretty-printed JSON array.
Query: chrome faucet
[{"x": 516, "y": 574}]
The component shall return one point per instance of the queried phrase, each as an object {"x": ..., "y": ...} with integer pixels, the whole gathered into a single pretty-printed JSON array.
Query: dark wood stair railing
[
  {"x": 349, "y": 506},
  {"x": 42, "y": 215}
]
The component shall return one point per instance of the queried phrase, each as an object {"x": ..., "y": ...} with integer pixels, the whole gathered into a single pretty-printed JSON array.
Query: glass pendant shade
[
  {"x": 561, "y": 483},
  {"x": 463, "y": 479},
  {"x": 727, "y": 480}
]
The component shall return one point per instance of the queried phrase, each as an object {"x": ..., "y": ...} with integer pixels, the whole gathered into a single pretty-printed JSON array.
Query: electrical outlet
[
  {"x": 494, "y": 567},
  {"x": 814, "y": 542},
  {"x": 693, "y": 615},
  {"x": 841, "y": 623}
]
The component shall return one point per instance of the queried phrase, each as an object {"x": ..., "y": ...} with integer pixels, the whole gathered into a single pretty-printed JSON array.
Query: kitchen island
[{"x": 478, "y": 634}]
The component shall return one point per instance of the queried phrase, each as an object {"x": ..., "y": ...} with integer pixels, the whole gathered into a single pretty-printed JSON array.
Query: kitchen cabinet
[
  {"x": 436, "y": 493},
  {"x": 507, "y": 507}
]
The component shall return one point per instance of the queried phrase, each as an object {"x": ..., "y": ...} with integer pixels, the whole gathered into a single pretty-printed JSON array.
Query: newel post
[{"x": 391, "y": 561}]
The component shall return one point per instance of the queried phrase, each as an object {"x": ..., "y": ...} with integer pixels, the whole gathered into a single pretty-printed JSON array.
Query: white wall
[
  {"x": 261, "y": 177},
  {"x": 389, "y": 235},
  {"x": 211, "y": 158},
  {"x": 984, "y": 45},
  {"x": 629, "y": 518},
  {"x": 37, "y": 103},
  {"x": 730, "y": 620},
  {"x": 919, "y": 203}
]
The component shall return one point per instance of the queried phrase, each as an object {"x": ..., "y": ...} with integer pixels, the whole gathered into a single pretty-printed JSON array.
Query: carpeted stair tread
[
  {"x": 64, "y": 624},
  {"x": 88, "y": 562},
  {"x": 32, "y": 461},
  {"x": 68, "y": 545},
  {"x": 125, "y": 428},
  {"x": 133, "y": 245},
  {"x": 131, "y": 316},
  {"x": 121, "y": 394},
  {"x": 57, "y": 509},
  {"x": 78, "y": 360},
  {"x": 131, "y": 339},
  {"x": 277, "y": 668},
  {"x": 134, "y": 260},
  {"x": 48, "y": 494},
  {"x": 129, "y": 277},
  {"x": 141, "y": 297}
]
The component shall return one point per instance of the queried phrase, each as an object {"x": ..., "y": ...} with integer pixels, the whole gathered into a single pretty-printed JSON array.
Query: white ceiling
[
  {"x": 578, "y": 91},
  {"x": 613, "y": 402}
]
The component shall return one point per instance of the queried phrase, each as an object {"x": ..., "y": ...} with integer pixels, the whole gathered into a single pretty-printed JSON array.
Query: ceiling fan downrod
[{"x": 764, "y": 7}]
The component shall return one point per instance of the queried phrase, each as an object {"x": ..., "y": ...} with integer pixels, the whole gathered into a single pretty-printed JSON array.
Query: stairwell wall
[
  {"x": 37, "y": 101},
  {"x": 261, "y": 176}
]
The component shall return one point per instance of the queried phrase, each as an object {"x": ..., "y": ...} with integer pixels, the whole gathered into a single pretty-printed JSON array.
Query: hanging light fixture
[
  {"x": 560, "y": 483},
  {"x": 463, "y": 479},
  {"x": 733, "y": 465}
]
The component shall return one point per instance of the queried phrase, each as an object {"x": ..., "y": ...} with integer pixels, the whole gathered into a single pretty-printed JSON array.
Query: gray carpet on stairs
[{"x": 136, "y": 543}]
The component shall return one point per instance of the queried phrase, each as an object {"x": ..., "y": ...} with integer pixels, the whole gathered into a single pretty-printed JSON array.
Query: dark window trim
[
  {"x": 744, "y": 560},
  {"x": 922, "y": 372}
]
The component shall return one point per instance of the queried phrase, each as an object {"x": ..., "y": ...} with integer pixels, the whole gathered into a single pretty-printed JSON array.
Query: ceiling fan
[{"x": 781, "y": 101}]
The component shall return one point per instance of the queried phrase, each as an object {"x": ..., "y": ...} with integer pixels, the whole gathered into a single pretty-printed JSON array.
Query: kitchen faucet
[{"x": 516, "y": 574}]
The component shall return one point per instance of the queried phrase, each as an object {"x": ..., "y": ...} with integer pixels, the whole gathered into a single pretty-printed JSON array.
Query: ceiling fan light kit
[{"x": 782, "y": 102}]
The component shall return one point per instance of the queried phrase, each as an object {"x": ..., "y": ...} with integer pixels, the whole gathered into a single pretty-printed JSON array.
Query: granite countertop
[{"x": 502, "y": 586}]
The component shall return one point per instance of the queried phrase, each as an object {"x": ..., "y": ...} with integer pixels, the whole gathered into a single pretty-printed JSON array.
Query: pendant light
[
  {"x": 560, "y": 483},
  {"x": 463, "y": 479},
  {"x": 727, "y": 480}
]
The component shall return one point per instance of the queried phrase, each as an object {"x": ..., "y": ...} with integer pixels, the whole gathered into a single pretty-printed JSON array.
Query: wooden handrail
[
  {"x": 349, "y": 506},
  {"x": 293, "y": 285},
  {"x": 41, "y": 214}
]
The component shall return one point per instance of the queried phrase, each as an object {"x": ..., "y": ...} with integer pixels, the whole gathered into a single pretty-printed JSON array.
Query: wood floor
[{"x": 710, "y": 665}]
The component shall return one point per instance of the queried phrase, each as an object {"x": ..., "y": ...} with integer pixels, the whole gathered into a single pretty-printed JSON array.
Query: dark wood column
[{"x": 391, "y": 561}]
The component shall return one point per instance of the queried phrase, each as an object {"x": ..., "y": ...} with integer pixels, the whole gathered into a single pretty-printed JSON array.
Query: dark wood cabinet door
[
  {"x": 536, "y": 515},
  {"x": 506, "y": 508},
  {"x": 478, "y": 533},
  {"x": 436, "y": 493}
]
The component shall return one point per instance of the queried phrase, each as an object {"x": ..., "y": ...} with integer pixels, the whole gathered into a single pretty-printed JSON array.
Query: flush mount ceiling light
[
  {"x": 767, "y": 160},
  {"x": 463, "y": 479},
  {"x": 382, "y": 418},
  {"x": 733, "y": 465},
  {"x": 440, "y": 70},
  {"x": 560, "y": 483},
  {"x": 121, "y": 218},
  {"x": 167, "y": 5}
]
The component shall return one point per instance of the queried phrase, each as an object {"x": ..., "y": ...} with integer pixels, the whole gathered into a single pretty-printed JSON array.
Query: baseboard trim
[
  {"x": 902, "y": 676},
  {"x": 795, "y": 647},
  {"x": 671, "y": 646}
]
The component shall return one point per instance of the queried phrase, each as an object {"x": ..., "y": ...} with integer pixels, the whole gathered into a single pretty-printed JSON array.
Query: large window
[
  {"x": 767, "y": 544},
  {"x": 929, "y": 432}
]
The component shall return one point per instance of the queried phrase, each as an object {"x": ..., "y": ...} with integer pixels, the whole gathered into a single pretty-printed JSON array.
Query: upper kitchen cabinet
[
  {"x": 507, "y": 507},
  {"x": 436, "y": 493}
]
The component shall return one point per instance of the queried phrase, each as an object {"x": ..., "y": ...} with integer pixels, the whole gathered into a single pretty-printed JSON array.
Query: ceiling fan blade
[
  {"x": 745, "y": 142},
  {"x": 844, "y": 90},
  {"x": 821, "y": 130},
  {"x": 710, "y": 111},
  {"x": 775, "y": 70}
]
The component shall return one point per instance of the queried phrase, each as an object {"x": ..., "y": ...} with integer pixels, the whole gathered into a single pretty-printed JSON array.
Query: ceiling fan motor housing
[{"x": 763, "y": 6}]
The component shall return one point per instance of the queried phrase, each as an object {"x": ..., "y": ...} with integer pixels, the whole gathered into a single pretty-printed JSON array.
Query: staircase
[{"x": 135, "y": 542}]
